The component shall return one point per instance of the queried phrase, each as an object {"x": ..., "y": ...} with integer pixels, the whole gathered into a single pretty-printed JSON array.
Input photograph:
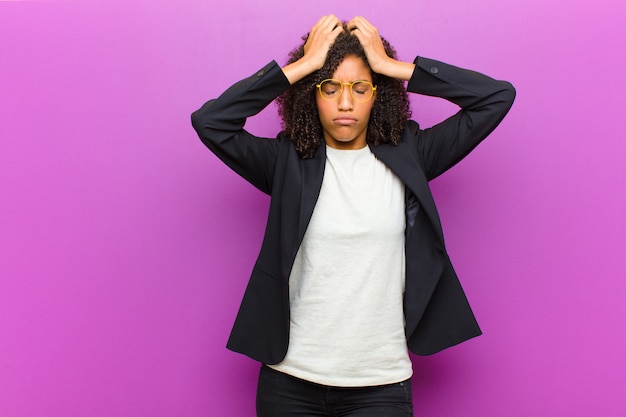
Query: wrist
[
  {"x": 397, "y": 69},
  {"x": 299, "y": 69}
]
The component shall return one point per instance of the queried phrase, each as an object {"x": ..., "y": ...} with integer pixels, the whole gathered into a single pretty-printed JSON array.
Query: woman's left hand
[
  {"x": 370, "y": 40},
  {"x": 377, "y": 58}
]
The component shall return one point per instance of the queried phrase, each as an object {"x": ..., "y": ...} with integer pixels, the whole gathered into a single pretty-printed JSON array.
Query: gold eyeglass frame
[{"x": 319, "y": 89}]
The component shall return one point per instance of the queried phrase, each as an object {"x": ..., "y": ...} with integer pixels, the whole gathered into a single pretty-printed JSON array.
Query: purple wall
[{"x": 125, "y": 245}]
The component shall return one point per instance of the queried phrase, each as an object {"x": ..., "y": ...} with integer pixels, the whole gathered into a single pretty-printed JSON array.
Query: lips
[{"x": 345, "y": 121}]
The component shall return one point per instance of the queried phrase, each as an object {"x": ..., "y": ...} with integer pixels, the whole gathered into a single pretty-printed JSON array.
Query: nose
[{"x": 345, "y": 100}]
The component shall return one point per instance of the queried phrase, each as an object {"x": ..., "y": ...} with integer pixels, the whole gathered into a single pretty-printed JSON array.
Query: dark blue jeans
[{"x": 282, "y": 395}]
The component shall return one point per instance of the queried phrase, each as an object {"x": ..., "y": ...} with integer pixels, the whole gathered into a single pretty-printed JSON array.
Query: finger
[
  {"x": 321, "y": 37},
  {"x": 318, "y": 26},
  {"x": 352, "y": 24},
  {"x": 323, "y": 25},
  {"x": 357, "y": 22},
  {"x": 362, "y": 25},
  {"x": 338, "y": 29},
  {"x": 328, "y": 23}
]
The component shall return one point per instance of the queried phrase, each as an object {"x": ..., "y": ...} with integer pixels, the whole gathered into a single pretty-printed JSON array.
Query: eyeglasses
[{"x": 360, "y": 90}]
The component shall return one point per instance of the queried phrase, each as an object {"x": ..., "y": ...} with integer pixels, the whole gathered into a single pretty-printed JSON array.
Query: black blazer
[{"x": 436, "y": 310}]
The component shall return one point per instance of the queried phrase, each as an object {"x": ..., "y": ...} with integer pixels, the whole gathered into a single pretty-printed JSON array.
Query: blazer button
[
  {"x": 260, "y": 73},
  {"x": 434, "y": 70}
]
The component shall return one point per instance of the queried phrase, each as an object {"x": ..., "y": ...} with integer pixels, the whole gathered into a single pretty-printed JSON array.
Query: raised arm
[
  {"x": 321, "y": 36},
  {"x": 219, "y": 122},
  {"x": 484, "y": 101}
]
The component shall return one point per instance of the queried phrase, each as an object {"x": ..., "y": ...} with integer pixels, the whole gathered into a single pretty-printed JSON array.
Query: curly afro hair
[{"x": 298, "y": 108}]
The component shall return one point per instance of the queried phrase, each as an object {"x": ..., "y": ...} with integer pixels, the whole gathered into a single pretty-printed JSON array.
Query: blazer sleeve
[
  {"x": 484, "y": 102},
  {"x": 219, "y": 124}
]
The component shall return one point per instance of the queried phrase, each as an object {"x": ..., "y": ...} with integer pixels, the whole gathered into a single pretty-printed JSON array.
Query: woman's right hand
[
  {"x": 321, "y": 36},
  {"x": 374, "y": 49}
]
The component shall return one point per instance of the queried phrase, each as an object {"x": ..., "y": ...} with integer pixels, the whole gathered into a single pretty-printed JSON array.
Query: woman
[{"x": 353, "y": 271}]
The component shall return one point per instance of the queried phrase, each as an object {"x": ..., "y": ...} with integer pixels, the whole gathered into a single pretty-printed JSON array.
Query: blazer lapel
[
  {"x": 402, "y": 162},
  {"x": 312, "y": 171}
]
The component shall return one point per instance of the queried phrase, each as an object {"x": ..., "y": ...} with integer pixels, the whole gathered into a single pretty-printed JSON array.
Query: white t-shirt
[{"x": 347, "y": 282}]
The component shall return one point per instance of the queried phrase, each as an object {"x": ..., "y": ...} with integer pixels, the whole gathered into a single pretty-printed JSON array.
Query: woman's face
[{"x": 344, "y": 119}]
